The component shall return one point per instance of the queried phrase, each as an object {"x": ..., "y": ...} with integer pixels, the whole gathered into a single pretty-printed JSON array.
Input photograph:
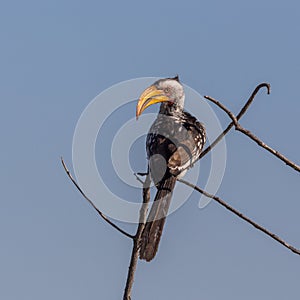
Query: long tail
[{"x": 156, "y": 219}]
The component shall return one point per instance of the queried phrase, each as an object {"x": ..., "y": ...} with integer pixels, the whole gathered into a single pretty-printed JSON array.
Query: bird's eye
[{"x": 167, "y": 90}]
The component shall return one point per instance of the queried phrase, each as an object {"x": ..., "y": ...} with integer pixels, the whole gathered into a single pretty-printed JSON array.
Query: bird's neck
[{"x": 170, "y": 110}]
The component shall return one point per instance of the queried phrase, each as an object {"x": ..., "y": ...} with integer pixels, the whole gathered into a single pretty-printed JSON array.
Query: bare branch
[
  {"x": 105, "y": 218},
  {"x": 252, "y": 136},
  {"x": 250, "y": 100},
  {"x": 240, "y": 215},
  {"x": 240, "y": 114},
  {"x": 136, "y": 240},
  {"x": 146, "y": 189}
]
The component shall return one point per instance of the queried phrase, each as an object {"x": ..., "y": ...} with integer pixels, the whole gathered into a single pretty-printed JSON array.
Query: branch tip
[{"x": 240, "y": 215}]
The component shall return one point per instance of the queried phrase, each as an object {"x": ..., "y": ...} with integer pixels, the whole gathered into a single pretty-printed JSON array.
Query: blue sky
[{"x": 56, "y": 56}]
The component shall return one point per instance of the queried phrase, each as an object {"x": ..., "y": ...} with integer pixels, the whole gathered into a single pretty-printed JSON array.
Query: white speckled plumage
[{"x": 174, "y": 142}]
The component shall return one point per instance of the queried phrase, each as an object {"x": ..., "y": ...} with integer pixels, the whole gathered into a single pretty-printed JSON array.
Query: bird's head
[{"x": 169, "y": 92}]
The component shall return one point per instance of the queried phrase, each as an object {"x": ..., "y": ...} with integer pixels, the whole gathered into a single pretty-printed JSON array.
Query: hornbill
[{"x": 174, "y": 142}]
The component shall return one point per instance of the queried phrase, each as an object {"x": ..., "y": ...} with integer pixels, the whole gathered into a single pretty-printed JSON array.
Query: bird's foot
[{"x": 141, "y": 173}]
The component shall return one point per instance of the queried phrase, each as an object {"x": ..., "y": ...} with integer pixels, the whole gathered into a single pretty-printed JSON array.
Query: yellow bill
[{"x": 150, "y": 96}]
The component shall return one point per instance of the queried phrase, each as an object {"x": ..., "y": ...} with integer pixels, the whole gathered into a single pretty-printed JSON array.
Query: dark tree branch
[
  {"x": 136, "y": 240},
  {"x": 252, "y": 136},
  {"x": 240, "y": 215},
  {"x": 146, "y": 189},
  {"x": 240, "y": 114},
  {"x": 105, "y": 218}
]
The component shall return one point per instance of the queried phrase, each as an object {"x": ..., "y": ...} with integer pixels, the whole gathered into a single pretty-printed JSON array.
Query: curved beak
[{"x": 150, "y": 96}]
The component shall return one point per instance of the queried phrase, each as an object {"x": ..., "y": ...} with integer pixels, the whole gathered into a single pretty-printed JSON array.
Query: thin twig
[
  {"x": 136, "y": 240},
  {"x": 268, "y": 148},
  {"x": 238, "y": 127},
  {"x": 236, "y": 212},
  {"x": 93, "y": 205},
  {"x": 146, "y": 190},
  {"x": 240, "y": 114}
]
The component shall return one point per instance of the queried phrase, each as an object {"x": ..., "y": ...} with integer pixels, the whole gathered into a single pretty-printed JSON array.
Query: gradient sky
[{"x": 56, "y": 56}]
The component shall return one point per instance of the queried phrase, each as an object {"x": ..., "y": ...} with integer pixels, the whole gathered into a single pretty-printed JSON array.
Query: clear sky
[{"x": 56, "y": 56}]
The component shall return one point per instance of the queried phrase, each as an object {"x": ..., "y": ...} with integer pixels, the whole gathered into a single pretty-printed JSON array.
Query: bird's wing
[
  {"x": 169, "y": 152},
  {"x": 189, "y": 146}
]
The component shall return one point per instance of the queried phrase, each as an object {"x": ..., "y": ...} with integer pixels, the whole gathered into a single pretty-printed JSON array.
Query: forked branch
[
  {"x": 240, "y": 114},
  {"x": 146, "y": 189},
  {"x": 135, "y": 238},
  {"x": 252, "y": 136}
]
